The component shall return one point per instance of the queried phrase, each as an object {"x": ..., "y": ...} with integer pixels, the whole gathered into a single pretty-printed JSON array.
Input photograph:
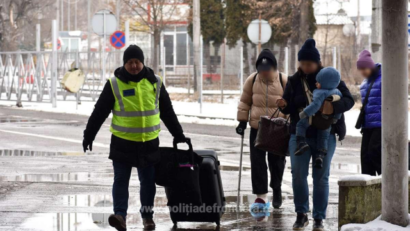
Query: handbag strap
[
  {"x": 308, "y": 93},
  {"x": 366, "y": 98},
  {"x": 253, "y": 83},
  {"x": 281, "y": 82}
]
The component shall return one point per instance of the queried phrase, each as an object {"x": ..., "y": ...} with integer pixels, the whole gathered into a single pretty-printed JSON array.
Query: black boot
[
  {"x": 319, "y": 159},
  {"x": 301, "y": 222},
  {"x": 277, "y": 198},
  {"x": 301, "y": 145},
  {"x": 118, "y": 222},
  {"x": 318, "y": 225}
]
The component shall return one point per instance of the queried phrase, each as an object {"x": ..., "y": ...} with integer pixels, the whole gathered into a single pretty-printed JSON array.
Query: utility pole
[
  {"x": 88, "y": 36},
  {"x": 260, "y": 33},
  {"x": 69, "y": 15},
  {"x": 395, "y": 113},
  {"x": 359, "y": 37},
  {"x": 54, "y": 73},
  {"x": 75, "y": 15},
  {"x": 377, "y": 30},
  {"x": 62, "y": 16},
  {"x": 197, "y": 36},
  {"x": 222, "y": 70}
]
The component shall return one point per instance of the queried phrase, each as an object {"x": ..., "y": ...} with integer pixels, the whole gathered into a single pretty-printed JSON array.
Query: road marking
[
  {"x": 194, "y": 134},
  {"x": 54, "y": 138}
]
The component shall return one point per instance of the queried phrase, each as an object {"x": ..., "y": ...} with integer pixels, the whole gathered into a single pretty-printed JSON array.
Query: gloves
[
  {"x": 180, "y": 139},
  {"x": 240, "y": 130},
  {"x": 87, "y": 144},
  {"x": 302, "y": 115}
]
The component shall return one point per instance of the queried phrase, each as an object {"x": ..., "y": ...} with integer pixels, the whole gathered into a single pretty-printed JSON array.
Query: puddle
[
  {"x": 16, "y": 152},
  {"x": 15, "y": 119},
  {"x": 351, "y": 168},
  {"x": 62, "y": 177},
  {"x": 98, "y": 221},
  {"x": 233, "y": 168}
]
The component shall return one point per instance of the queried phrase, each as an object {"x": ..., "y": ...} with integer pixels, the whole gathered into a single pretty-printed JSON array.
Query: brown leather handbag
[{"x": 273, "y": 134}]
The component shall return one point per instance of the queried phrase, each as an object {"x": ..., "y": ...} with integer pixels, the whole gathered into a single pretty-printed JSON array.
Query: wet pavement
[{"x": 48, "y": 183}]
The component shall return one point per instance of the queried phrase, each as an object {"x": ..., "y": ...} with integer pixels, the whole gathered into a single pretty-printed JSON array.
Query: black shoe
[
  {"x": 301, "y": 222},
  {"x": 148, "y": 223},
  {"x": 318, "y": 225},
  {"x": 319, "y": 159},
  {"x": 302, "y": 146},
  {"x": 118, "y": 222},
  {"x": 277, "y": 198}
]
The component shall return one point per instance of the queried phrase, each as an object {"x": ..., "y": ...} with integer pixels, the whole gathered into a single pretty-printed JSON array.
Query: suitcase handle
[{"x": 191, "y": 150}]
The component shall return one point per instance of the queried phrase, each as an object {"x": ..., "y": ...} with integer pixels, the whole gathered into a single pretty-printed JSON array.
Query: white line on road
[
  {"x": 54, "y": 138},
  {"x": 194, "y": 134}
]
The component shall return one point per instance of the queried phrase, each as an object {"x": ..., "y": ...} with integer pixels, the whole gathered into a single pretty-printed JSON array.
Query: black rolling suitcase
[{"x": 213, "y": 200}]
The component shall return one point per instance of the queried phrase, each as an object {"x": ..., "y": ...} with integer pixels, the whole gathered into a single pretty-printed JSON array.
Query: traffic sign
[
  {"x": 265, "y": 31},
  {"x": 117, "y": 39},
  {"x": 104, "y": 22},
  {"x": 58, "y": 44}
]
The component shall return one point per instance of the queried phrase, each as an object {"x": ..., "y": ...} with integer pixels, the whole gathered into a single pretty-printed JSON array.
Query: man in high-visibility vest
[{"x": 138, "y": 100}]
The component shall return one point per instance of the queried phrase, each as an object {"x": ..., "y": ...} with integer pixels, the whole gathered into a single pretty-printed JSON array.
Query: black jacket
[
  {"x": 296, "y": 99},
  {"x": 138, "y": 154}
]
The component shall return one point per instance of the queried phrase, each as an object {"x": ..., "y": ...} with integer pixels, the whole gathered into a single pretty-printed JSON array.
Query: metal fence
[{"x": 27, "y": 76}]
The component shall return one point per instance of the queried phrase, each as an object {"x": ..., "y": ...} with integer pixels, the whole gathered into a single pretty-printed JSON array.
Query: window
[
  {"x": 182, "y": 49},
  {"x": 169, "y": 49}
]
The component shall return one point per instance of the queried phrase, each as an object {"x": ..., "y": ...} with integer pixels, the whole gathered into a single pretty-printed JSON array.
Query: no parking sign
[{"x": 117, "y": 39}]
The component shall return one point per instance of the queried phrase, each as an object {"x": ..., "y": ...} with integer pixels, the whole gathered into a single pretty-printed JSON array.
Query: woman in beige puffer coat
[
  {"x": 260, "y": 93},
  {"x": 259, "y": 98}
]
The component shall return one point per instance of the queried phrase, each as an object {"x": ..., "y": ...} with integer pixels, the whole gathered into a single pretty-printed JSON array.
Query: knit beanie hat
[
  {"x": 308, "y": 52},
  {"x": 329, "y": 78},
  {"x": 133, "y": 52},
  {"x": 365, "y": 60},
  {"x": 266, "y": 60}
]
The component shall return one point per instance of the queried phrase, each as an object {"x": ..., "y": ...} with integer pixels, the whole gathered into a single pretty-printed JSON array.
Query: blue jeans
[
  {"x": 322, "y": 135},
  {"x": 300, "y": 171},
  {"x": 122, "y": 174}
]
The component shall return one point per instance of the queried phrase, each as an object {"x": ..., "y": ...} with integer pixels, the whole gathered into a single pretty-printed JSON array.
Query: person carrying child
[{"x": 327, "y": 81}]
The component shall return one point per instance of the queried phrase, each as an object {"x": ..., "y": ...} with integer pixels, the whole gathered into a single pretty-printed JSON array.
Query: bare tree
[
  {"x": 18, "y": 19},
  {"x": 155, "y": 14}
]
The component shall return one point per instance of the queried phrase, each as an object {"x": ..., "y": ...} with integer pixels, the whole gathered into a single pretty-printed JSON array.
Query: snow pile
[
  {"x": 376, "y": 225},
  {"x": 359, "y": 177}
]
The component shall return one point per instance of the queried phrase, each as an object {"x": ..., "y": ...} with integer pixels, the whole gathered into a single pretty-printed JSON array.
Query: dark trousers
[
  {"x": 122, "y": 174},
  {"x": 371, "y": 152},
  {"x": 259, "y": 169}
]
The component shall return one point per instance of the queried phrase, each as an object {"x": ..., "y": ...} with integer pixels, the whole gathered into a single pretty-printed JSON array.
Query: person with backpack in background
[
  {"x": 260, "y": 92},
  {"x": 370, "y": 118}
]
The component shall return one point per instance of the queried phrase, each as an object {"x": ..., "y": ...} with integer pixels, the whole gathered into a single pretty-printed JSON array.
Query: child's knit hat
[{"x": 329, "y": 78}]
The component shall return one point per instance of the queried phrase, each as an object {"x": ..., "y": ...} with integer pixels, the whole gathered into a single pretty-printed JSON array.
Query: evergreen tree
[{"x": 212, "y": 29}]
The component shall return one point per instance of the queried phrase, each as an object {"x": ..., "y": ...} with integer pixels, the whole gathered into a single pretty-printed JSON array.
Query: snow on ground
[
  {"x": 205, "y": 92},
  {"x": 360, "y": 177},
  {"x": 376, "y": 225}
]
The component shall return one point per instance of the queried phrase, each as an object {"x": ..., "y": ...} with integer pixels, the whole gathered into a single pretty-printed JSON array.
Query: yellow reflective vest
[{"x": 136, "y": 109}]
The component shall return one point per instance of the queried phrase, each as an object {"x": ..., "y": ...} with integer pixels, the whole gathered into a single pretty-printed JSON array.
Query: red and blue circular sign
[
  {"x": 58, "y": 44},
  {"x": 117, "y": 39}
]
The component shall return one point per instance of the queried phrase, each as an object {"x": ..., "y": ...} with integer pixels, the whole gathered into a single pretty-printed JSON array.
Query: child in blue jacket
[{"x": 327, "y": 81}]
